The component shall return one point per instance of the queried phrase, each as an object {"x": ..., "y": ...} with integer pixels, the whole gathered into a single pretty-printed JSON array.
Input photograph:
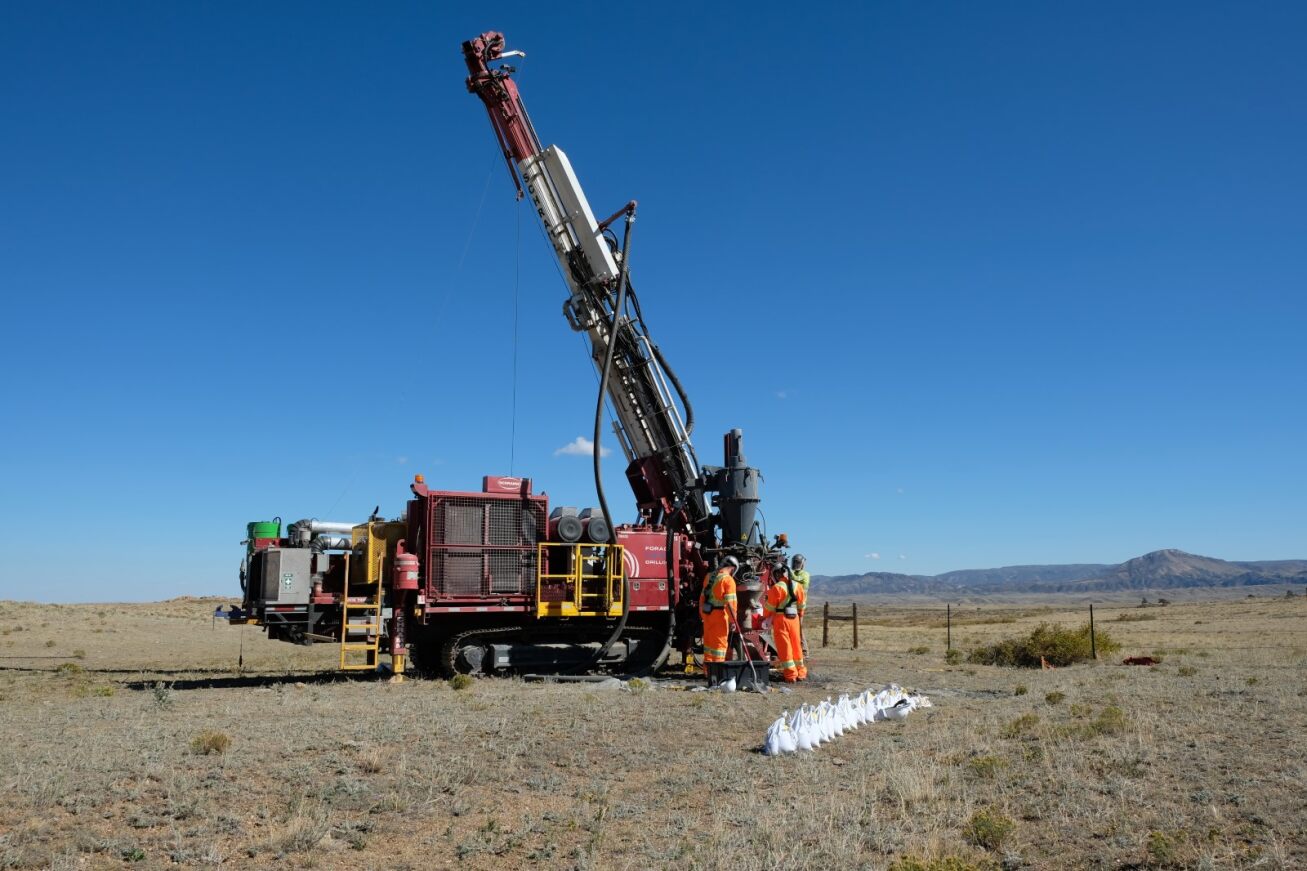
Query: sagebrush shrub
[
  {"x": 988, "y": 828},
  {"x": 1055, "y": 644}
]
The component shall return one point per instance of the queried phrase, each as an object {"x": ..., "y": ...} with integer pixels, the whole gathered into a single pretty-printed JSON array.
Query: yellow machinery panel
[
  {"x": 579, "y": 580},
  {"x": 378, "y": 539}
]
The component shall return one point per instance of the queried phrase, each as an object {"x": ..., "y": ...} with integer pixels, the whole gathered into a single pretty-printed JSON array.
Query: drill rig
[{"x": 492, "y": 581}]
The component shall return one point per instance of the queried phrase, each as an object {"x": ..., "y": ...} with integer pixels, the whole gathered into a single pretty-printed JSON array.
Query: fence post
[
  {"x": 1093, "y": 641},
  {"x": 825, "y": 624},
  {"x": 948, "y": 622},
  {"x": 855, "y": 625}
]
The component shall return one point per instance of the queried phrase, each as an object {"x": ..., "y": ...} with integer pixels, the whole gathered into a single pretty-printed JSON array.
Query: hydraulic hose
[
  {"x": 599, "y": 419},
  {"x": 676, "y": 384}
]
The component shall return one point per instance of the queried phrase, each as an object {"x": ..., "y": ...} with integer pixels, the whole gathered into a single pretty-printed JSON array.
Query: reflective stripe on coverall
[
  {"x": 719, "y": 592},
  {"x": 785, "y": 629}
]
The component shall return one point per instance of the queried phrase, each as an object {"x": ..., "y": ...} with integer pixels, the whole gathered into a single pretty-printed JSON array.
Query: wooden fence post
[
  {"x": 948, "y": 622},
  {"x": 1093, "y": 641},
  {"x": 825, "y": 624},
  {"x": 855, "y": 625}
]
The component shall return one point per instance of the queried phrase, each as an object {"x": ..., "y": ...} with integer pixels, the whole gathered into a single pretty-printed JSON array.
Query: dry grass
[
  {"x": 209, "y": 741},
  {"x": 1144, "y": 767}
]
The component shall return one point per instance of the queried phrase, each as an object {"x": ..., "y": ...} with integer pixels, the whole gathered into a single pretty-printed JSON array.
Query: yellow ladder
[{"x": 367, "y": 607}]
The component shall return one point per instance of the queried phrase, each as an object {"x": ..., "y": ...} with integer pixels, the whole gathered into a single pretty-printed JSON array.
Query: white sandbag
[
  {"x": 806, "y": 737},
  {"x": 771, "y": 742}
]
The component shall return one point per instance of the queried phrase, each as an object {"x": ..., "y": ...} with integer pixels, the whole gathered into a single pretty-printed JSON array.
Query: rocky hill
[{"x": 1161, "y": 569}]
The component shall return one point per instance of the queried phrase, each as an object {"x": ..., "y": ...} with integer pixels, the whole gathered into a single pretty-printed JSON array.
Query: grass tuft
[
  {"x": 461, "y": 681},
  {"x": 210, "y": 742},
  {"x": 918, "y": 650},
  {"x": 371, "y": 761},
  {"x": 1110, "y": 721},
  {"x": 1022, "y": 725},
  {"x": 953, "y": 656},
  {"x": 987, "y": 767},
  {"x": 1055, "y": 698}
]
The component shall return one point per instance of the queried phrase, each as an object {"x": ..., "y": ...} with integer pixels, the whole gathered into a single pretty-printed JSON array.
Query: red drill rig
[{"x": 480, "y": 582}]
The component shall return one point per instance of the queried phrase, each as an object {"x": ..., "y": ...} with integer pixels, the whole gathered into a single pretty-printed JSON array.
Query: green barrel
[{"x": 262, "y": 529}]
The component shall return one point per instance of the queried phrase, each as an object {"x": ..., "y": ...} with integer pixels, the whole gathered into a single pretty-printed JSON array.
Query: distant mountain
[
  {"x": 1161, "y": 569},
  {"x": 1022, "y": 574}
]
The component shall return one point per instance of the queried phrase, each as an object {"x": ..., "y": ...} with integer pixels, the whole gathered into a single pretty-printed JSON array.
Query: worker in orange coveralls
[
  {"x": 717, "y": 602},
  {"x": 785, "y": 603}
]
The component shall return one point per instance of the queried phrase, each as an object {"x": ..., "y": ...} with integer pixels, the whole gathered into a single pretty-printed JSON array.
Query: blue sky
[{"x": 984, "y": 284}]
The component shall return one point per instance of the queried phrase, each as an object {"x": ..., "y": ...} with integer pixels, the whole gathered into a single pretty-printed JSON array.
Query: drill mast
[{"x": 662, "y": 468}]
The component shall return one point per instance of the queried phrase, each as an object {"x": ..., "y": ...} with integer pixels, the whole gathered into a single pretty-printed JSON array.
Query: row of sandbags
[{"x": 811, "y": 726}]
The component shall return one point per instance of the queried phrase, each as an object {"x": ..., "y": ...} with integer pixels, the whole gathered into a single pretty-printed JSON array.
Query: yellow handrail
[{"x": 608, "y": 581}]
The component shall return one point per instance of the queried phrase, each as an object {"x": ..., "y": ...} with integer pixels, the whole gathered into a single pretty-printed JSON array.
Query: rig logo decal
[{"x": 630, "y": 563}]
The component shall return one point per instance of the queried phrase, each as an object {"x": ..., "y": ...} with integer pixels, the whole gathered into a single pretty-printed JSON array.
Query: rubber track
[{"x": 449, "y": 647}]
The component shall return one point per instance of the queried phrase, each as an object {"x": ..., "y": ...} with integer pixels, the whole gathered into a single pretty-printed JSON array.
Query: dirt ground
[{"x": 107, "y": 711}]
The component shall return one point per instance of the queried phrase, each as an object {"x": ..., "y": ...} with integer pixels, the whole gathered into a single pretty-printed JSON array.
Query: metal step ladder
[{"x": 360, "y": 626}]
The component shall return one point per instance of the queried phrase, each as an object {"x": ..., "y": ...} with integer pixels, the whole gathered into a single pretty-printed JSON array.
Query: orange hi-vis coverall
[
  {"x": 717, "y": 598},
  {"x": 786, "y": 601}
]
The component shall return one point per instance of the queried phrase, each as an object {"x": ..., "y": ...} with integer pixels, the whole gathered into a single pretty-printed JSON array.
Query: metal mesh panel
[
  {"x": 505, "y": 523},
  {"x": 472, "y": 537},
  {"x": 463, "y": 523},
  {"x": 512, "y": 571},
  {"x": 460, "y": 572}
]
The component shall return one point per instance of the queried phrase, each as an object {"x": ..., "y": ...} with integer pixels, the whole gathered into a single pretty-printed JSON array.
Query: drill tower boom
[{"x": 662, "y": 468}]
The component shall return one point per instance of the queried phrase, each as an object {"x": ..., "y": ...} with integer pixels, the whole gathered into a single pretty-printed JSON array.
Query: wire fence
[{"x": 947, "y": 617}]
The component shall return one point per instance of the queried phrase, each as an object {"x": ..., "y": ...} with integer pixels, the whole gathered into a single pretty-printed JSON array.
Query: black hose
[
  {"x": 599, "y": 419},
  {"x": 680, "y": 391}
]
